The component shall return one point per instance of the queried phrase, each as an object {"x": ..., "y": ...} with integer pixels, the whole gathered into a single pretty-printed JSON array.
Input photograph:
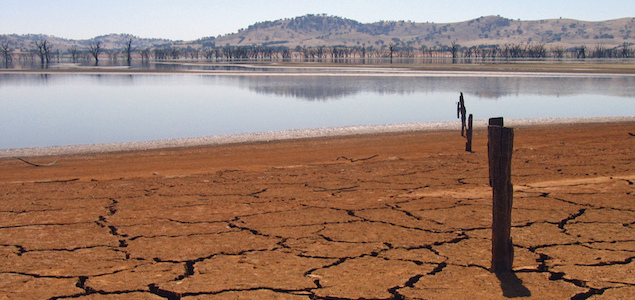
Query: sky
[{"x": 194, "y": 19}]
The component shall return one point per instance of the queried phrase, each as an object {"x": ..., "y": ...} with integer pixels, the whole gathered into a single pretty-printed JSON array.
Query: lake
[{"x": 69, "y": 109}]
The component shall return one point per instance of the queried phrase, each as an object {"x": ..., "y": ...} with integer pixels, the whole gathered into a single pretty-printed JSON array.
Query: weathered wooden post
[
  {"x": 460, "y": 113},
  {"x": 496, "y": 121},
  {"x": 500, "y": 147},
  {"x": 468, "y": 134}
]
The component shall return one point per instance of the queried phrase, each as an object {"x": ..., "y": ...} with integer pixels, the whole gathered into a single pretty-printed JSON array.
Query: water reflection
[
  {"x": 322, "y": 88},
  {"x": 14, "y": 80},
  {"x": 486, "y": 87},
  {"x": 312, "y": 88},
  {"x": 65, "y": 109}
]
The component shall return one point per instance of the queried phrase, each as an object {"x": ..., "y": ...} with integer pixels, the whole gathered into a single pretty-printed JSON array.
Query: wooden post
[
  {"x": 496, "y": 121},
  {"x": 492, "y": 122},
  {"x": 468, "y": 144},
  {"x": 460, "y": 113},
  {"x": 500, "y": 147}
]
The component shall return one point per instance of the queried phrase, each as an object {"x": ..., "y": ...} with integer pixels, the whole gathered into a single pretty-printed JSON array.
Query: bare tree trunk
[
  {"x": 74, "y": 53},
  {"x": 128, "y": 50},
  {"x": 6, "y": 53},
  {"x": 43, "y": 51},
  {"x": 454, "y": 49},
  {"x": 581, "y": 51},
  {"x": 95, "y": 48}
]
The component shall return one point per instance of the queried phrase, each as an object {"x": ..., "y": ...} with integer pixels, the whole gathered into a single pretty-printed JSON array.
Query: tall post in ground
[
  {"x": 468, "y": 134},
  {"x": 500, "y": 147},
  {"x": 460, "y": 113}
]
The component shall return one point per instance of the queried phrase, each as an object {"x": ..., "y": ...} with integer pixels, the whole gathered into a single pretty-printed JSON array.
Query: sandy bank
[
  {"x": 547, "y": 67},
  {"x": 284, "y": 135}
]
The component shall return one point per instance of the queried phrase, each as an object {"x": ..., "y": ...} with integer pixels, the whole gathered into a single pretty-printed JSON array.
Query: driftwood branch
[
  {"x": 58, "y": 181},
  {"x": 357, "y": 159},
  {"x": 255, "y": 194},
  {"x": 37, "y": 165},
  {"x": 343, "y": 189}
]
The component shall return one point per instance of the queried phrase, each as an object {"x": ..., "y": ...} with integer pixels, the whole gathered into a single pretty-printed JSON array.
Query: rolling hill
[{"x": 323, "y": 30}]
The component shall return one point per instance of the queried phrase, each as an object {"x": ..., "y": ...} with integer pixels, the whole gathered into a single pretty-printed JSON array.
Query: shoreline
[
  {"x": 256, "y": 68},
  {"x": 379, "y": 72},
  {"x": 286, "y": 135},
  {"x": 521, "y": 68}
]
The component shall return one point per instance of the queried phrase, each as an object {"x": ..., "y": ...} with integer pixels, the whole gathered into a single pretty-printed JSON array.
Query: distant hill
[{"x": 323, "y": 30}]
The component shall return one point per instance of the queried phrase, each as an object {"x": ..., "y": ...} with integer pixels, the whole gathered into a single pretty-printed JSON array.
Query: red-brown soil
[{"x": 391, "y": 216}]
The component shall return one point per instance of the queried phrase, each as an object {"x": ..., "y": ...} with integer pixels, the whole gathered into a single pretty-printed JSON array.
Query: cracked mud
[{"x": 398, "y": 216}]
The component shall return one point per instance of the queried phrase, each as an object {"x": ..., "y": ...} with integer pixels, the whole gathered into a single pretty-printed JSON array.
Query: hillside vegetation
[
  {"x": 321, "y": 30},
  {"x": 295, "y": 35}
]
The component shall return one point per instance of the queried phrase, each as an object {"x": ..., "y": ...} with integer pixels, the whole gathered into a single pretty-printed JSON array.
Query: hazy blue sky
[{"x": 192, "y": 19}]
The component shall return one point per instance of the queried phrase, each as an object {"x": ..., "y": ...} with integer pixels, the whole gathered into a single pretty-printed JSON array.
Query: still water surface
[{"x": 70, "y": 109}]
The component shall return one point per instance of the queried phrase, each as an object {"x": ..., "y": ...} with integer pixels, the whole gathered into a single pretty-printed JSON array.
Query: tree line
[
  {"x": 46, "y": 52},
  {"x": 541, "y": 51}
]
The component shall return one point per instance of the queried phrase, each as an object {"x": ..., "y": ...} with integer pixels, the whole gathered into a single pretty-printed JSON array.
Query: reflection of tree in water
[
  {"x": 45, "y": 79},
  {"x": 310, "y": 88},
  {"x": 497, "y": 87},
  {"x": 323, "y": 88}
]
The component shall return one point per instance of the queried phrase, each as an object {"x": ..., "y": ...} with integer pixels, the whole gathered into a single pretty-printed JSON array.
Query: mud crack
[{"x": 570, "y": 218}]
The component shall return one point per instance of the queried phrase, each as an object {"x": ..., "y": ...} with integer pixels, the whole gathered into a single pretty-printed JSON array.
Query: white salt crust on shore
[{"x": 287, "y": 135}]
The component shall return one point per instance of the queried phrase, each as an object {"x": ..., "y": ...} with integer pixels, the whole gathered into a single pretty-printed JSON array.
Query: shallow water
[{"x": 71, "y": 109}]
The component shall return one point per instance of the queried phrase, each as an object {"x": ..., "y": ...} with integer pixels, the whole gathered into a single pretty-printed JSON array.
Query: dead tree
[
  {"x": 581, "y": 51},
  {"x": 95, "y": 48},
  {"x": 128, "y": 50},
  {"x": 461, "y": 113},
  {"x": 74, "y": 53},
  {"x": 558, "y": 51},
  {"x": 454, "y": 49},
  {"x": 175, "y": 52},
  {"x": 145, "y": 54},
  {"x": 113, "y": 54},
  {"x": 208, "y": 53},
  {"x": 43, "y": 51},
  {"x": 6, "y": 53},
  {"x": 625, "y": 52}
]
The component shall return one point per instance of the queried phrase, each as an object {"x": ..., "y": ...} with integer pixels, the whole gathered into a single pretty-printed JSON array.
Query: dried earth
[{"x": 390, "y": 216}]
